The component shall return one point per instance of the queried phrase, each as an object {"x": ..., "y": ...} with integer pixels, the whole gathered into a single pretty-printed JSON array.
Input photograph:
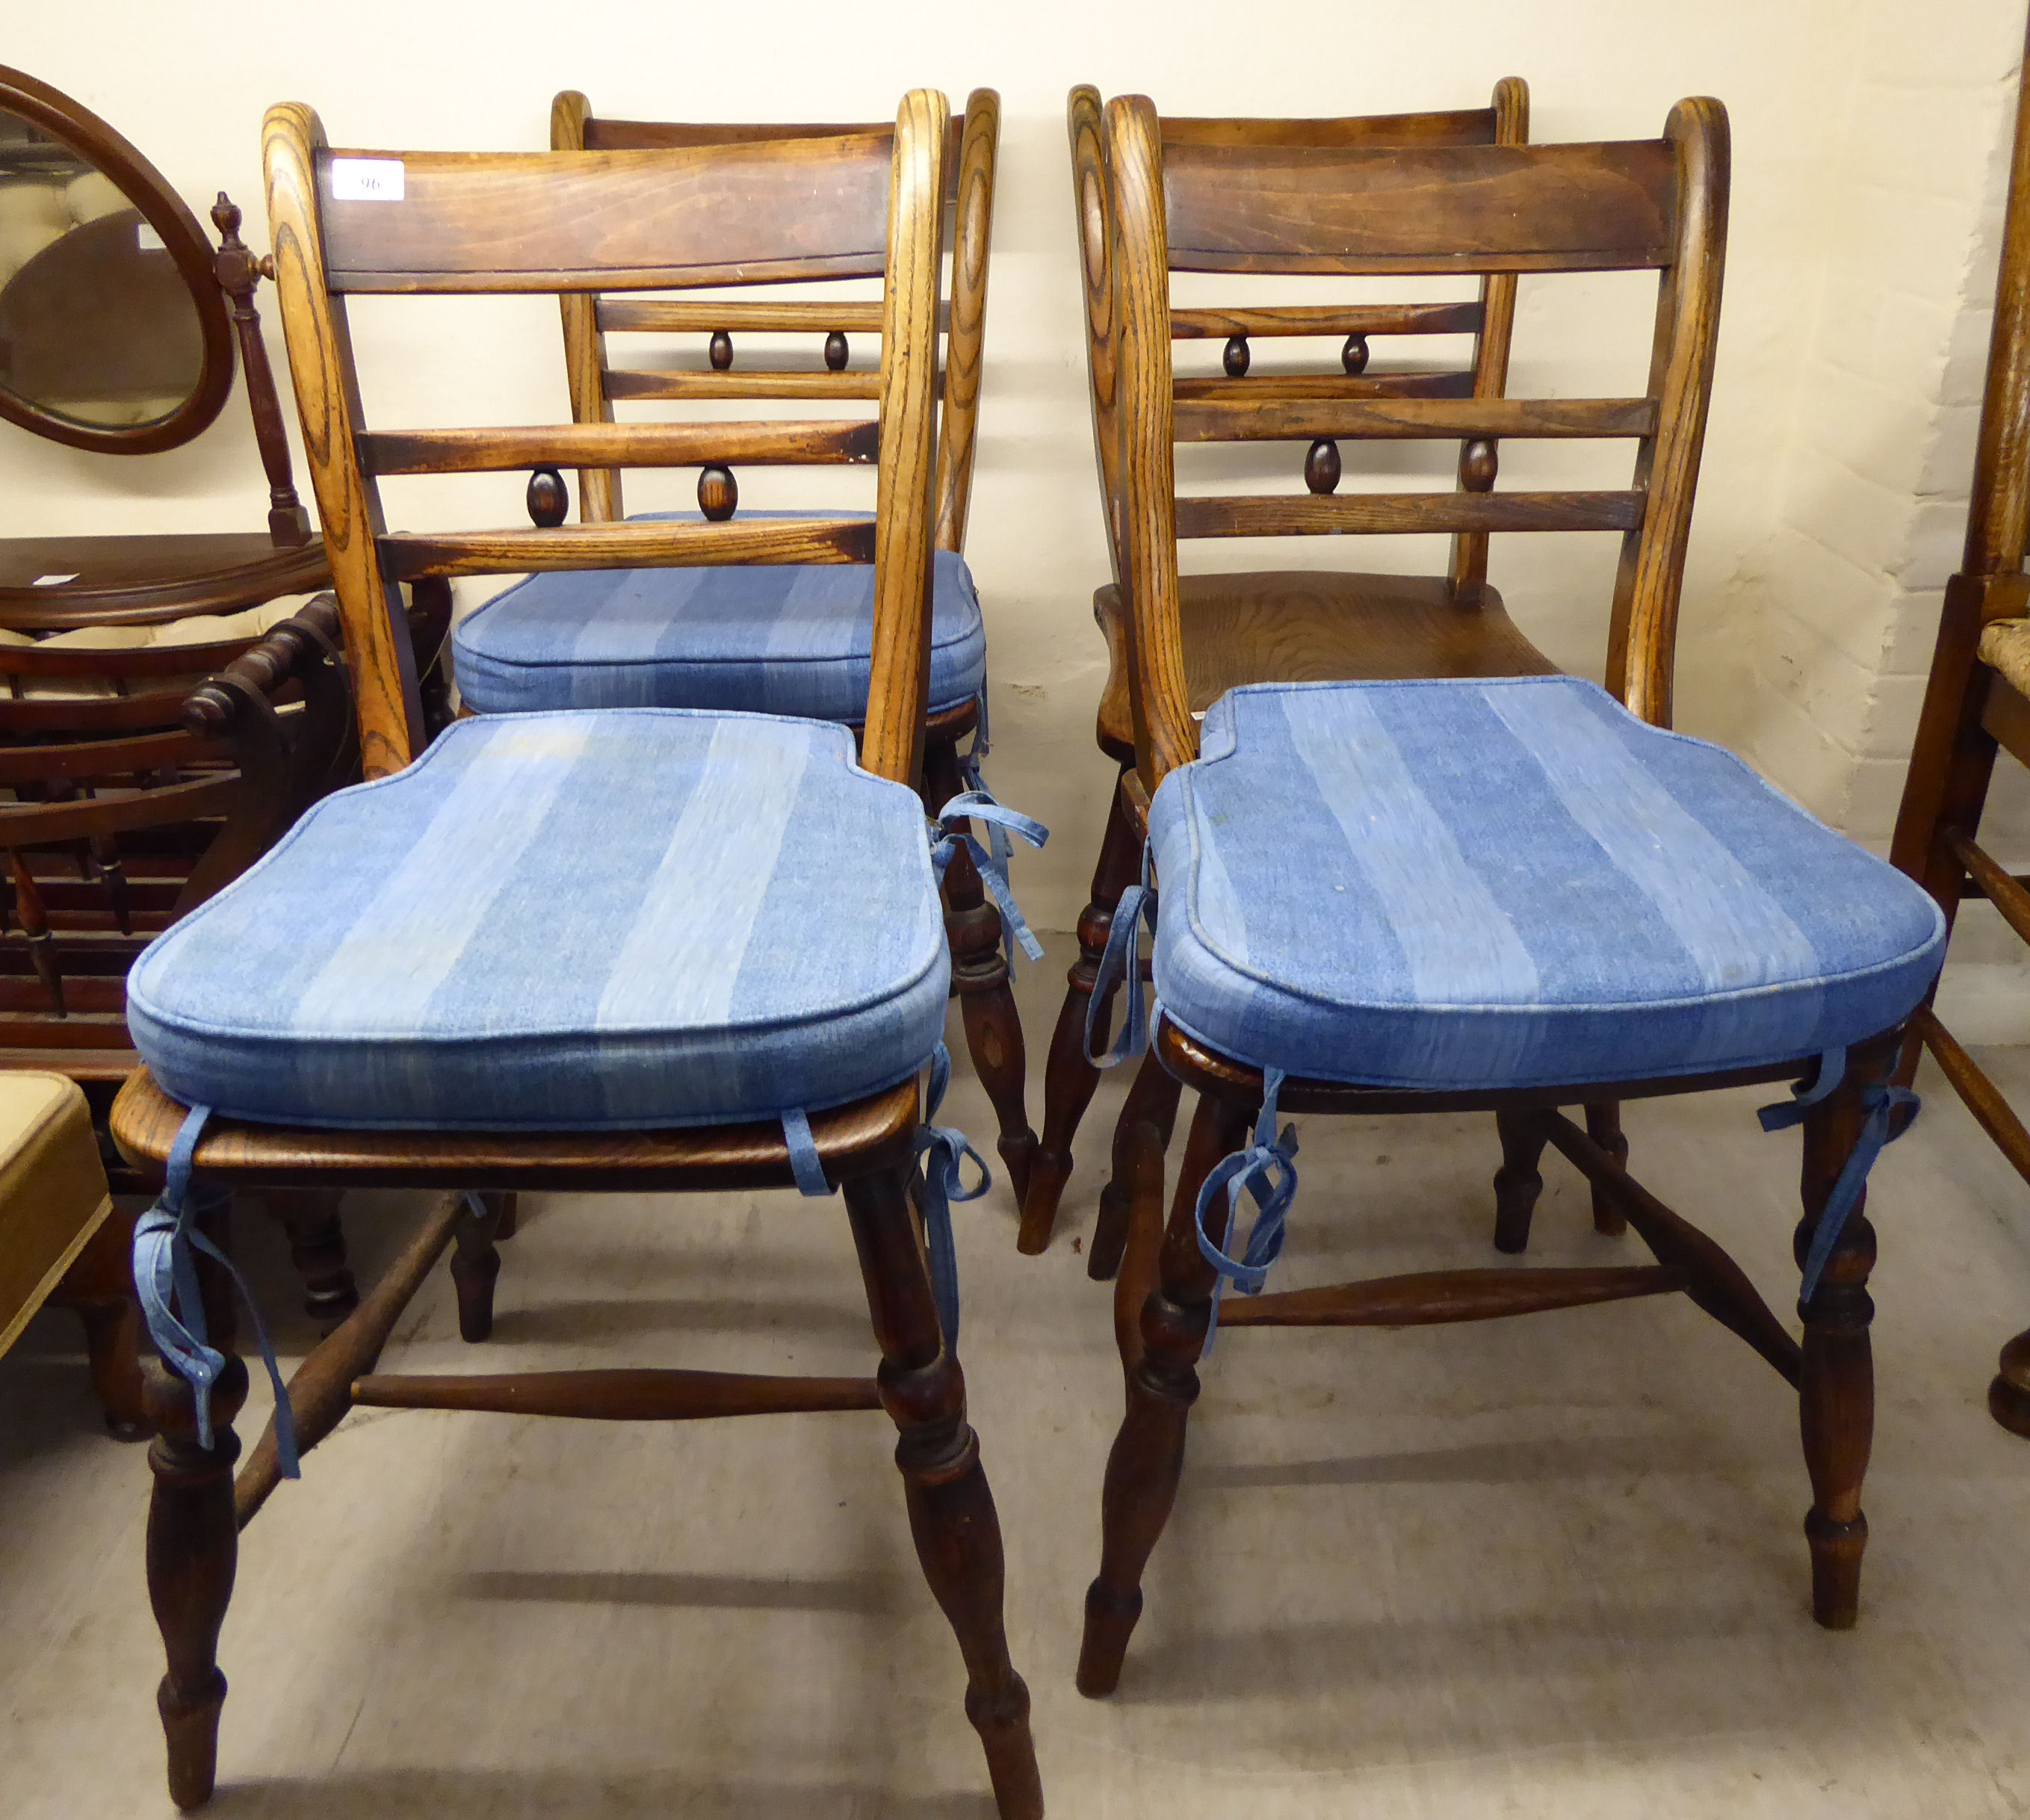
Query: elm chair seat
[
  {"x": 431, "y": 950},
  {"x": 1510, "y": 883},
  {"x": 787, "y": 639}
]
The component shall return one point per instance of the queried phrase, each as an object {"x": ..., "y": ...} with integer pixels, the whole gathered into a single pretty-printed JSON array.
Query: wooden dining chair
[
  {"x": 1976, "y": 704},
  {"x": 585, "y": 951},
  {"x": 1283, "y": 625},
  {"x": 1513, "y": 894},
  {"x": 789, "y": 639}
]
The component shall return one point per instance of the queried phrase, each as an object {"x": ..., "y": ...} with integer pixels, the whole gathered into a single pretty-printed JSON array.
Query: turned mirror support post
[{"x": 238, "y": 272}]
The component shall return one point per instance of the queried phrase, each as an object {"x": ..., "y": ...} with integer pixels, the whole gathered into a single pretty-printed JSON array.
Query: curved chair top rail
[
  {"x": 867, "y": 203},
  {"x": 971, "y": 149},
  {"x": 50, "y": 111},
  {"x": 1652, "y": 204},
  {"x": 1201, "y": 147}
]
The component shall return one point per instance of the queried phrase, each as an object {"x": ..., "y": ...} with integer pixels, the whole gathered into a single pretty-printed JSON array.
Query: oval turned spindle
[
  {"x": 1235, "y": 358},
  {"x": 721, "y": 351},
  {"x": 1477, "y": 463},
  {"x": 1353, "y": 356},
  {"x": 835, "y": 352},
  {"x": 1322, "y": 465},
  {"x": 549, "y": 499},
  {"x": 718, "y": 493}
]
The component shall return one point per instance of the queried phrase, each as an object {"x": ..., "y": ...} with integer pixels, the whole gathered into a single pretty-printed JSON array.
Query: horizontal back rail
[
  {"x": 1328, "y": 319},
  {"x": 406, "y": 555},
  {"x": 1301, "y": 387},
  {"x": 1409, "y": 209},
  {"x": 1458, "y": 126},
  {"x": 110, "y": 758},
  {"x": 105, "y": 714},
  {"x": 644, "y": 382},
  {"x": 647, "y": 445},
  {"x": 1250, "y": 515},
  {"x": 43, "y": 824},
  {"x": 527, "y": 221},
  {"x": 1234, "y": 417},
  {"x": 644, "y": 316}
]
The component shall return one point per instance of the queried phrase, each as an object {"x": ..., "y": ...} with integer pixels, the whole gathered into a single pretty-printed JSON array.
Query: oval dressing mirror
[{"x": 114, "y": 334}]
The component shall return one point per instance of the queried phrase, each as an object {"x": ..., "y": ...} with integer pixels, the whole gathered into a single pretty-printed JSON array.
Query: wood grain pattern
[
  {"x": 638, "y": 544},
  {"x": 775, "y": 442},
  {"x": 646, "y": 383},
  {"x": 1403, "y": 209},
  {"x": 1435, "y": 1297},
  {"x": 1280, "y": 388},
  {"x": 1270, "y": 515},
  {"x": 738, "y": 214},
  {"x": 623, "y": 1395},
  {"x": 1458, "y": 126},
  {"x": 1294, "y": 319},
  {"x": 1226, "y": 416},
  {"x": 660, "y": 316},
  {"x": 958, "y": 429},
  {"x": 387, "y": 701}
]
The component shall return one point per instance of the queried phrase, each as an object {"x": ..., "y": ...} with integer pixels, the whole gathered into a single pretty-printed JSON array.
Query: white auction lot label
[{"x": 367, "y": 180}]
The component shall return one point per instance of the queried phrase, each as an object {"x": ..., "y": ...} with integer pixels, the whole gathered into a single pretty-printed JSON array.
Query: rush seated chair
[
  {"x": 393, "y": 998},
  {"x": 1290, "y": 625},
  {"x": 1514, "y": 895},
  {"x": 789, "y": 639}
]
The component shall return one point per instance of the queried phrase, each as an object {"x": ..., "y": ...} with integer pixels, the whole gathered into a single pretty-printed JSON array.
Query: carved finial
[
  {"x": 835, "y": 352},
  {"x": 1477, "y": 464},
  {"x": 721, "y": 351},
  {"x": 1235, "y": 358},
  {"x": 718, "y": 493},
  {"x": 1322, "y": 465},
  {"x": 549, "y": 499},
  {"x": 225, "y": 217},
  {"x": 1353, "y": 356}
]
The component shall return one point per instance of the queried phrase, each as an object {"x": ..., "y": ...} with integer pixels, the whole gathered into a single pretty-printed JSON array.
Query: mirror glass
[{"x": 97, "y": 324}]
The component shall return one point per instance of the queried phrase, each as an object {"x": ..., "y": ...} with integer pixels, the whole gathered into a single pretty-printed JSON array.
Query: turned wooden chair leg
[
  {"x": 1148, "y": 1455},
  {"x": 1069, "y": 1078},
  {"x": 475, "y": 1266},
  {"x": 1152, "y": 1103},
  {"x": 99, "y": 1288},
  {"x": 510, "y": 1222},
  {"x": 1836, "y": 1383},
  {"x": 317, "y": 1248},
  {"x": 951, "y": 1509},
  {"x": 1603, "y": 1124},
  {"x": 986, "y": 998},
  {"x": 1517, "y": 1182},
  {"x": 193, "y": 1545}
]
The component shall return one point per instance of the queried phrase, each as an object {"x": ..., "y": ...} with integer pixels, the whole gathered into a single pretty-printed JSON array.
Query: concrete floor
[{"x": 1549, "y": 1566}]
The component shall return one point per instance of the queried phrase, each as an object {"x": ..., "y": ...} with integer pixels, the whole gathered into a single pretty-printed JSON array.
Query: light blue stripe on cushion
[
  {"x": 575, "y": 920},
  {"x": 769, "y": 638},
  {"x": 1325, "y": 868}
]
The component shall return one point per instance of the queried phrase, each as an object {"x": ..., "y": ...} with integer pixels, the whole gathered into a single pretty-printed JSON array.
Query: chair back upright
[
  {"x": 588, "y": 320},
  {"x": 1490, "y": 322},
  {"x": 1353, "y": 209},
  {"x": 860, "y": 204}
]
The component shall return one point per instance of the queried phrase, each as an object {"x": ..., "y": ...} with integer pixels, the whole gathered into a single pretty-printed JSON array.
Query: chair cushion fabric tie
[
  {"x": 1267, "y": 1169},
  {"x": 166, "y": 1281},
  {"x": 939, "y": 1151},
  {"x": 1121, "y": 964},
  {"x": 952, "y": 833}
]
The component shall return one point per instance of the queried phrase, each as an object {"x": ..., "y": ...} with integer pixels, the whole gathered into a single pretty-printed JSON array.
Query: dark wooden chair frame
[
  {"x": 972, "y": 924},
  {"x": 1972, "y": 711},
  {"x": 1658, "y": 204},
  {"x": 548, "y": 222},
  {"x": 1251, "y": 628}
]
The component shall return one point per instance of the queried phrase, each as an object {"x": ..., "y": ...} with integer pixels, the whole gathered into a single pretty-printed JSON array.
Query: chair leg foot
[
  {"x": 1517, "y": 1182},
  {"x": 98, "y": 1289},
  {"x": 1836, "y": 1381},
  {"x": 317, "y": 1248},
  {"x": 475, "y": 1266},
  {"x": 1603, "y": 1124},
  {"x": 952, "y": 1516},
  {"x": 1148, "y": 1455},
  {"x": 2008, "y": 1396}
]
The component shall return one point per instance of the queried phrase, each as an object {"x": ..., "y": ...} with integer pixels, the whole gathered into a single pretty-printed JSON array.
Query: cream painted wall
[{"x": 1865, "y": 148}]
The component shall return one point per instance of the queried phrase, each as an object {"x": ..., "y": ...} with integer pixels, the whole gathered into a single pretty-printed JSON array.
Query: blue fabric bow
[
  {"x": 978, "y": 805},
  {"x": 939, "y": 1151},
  {"x": 1121, "y": 963},
  {"x": 1881, "y": 1102},
  {"x": 166, "y": 1279},
  {"x": 1267, "y": 1169}
]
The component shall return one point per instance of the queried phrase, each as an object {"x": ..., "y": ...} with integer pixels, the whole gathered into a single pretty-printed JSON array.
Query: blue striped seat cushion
[
  {"x": 1509, "y": 883},
  {"x": 628, "y": 919},
  {"x": 757, "y": 638}
]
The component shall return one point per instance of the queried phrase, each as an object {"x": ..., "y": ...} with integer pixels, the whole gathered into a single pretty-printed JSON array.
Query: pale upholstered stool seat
[
  {"x": 53, "y": 1194},
  {"x": 630, "y": 918},
  {"x": 1506, "y": 883}
]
